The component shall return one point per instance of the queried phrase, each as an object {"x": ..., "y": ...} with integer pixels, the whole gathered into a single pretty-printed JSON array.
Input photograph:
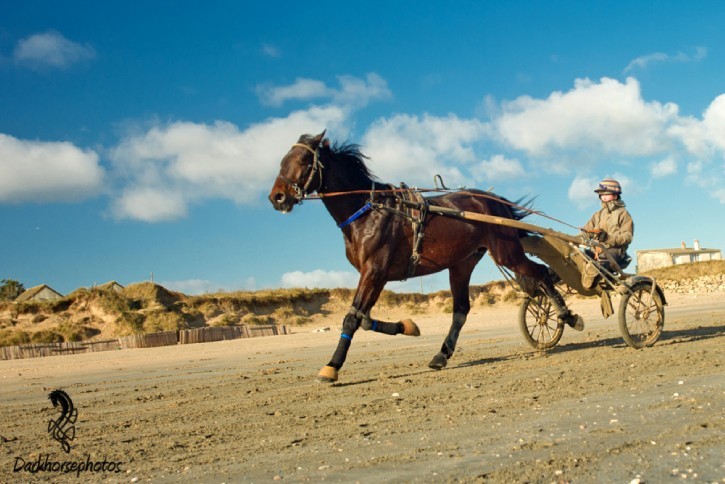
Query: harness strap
[
  {"x": 418, "y": 234},
  {"x": 363, "y": 210},
  {"x": 414, "y": 208}
]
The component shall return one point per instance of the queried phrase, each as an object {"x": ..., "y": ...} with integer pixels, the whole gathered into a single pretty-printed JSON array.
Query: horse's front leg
[
  {"x": 350, "y": 324},
  {"x": 405, "y": 327},
  {"x": 368, "y": 290}
]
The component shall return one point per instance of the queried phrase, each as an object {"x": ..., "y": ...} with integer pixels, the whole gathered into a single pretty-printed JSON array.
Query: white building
[{"x": 655, "y": 258}]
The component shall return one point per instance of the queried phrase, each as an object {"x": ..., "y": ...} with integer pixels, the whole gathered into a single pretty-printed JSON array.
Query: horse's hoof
[
  {"x": 410, "y": 328},
  {"x": 575, "y": 321},
  {"x": 438, "y": 362},
  {"x": 327, "y": 374}
]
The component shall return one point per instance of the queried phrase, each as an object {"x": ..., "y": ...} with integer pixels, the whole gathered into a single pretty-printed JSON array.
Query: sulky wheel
[
  {"x": 538, "y": 322},
  {"x": 641, "y": 315}
]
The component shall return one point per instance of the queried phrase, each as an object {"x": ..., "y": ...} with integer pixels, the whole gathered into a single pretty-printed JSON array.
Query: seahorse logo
[{"x": 63, "y": 429}]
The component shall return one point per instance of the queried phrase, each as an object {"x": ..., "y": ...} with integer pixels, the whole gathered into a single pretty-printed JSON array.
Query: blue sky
[{"x": 141, "y": 138}]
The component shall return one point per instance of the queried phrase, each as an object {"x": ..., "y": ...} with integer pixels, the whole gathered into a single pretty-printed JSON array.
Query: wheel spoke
[
  {"x": 539, "y": 327},
  {"x": 643, "y": 315}
]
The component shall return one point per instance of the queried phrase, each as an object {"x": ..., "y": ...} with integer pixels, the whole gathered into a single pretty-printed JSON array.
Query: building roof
[
  {"x": 109, "y": 285},
  {"x": 679, "y": 251},
  {"x": 29, "y": 294}
]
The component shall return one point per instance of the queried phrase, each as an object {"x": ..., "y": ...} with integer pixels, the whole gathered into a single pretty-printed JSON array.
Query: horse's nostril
[{"x": 279, "y": 197}]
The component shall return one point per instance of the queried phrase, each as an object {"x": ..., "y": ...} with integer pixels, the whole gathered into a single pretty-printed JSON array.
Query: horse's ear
[{"x": 318, "y": 139}]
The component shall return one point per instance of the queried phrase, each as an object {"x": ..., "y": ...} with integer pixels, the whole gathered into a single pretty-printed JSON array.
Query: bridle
[{"x": 309, "y": 174}]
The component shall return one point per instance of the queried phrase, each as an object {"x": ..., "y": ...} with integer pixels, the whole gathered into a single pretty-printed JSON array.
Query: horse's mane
[{"x": 351, "y": 161}]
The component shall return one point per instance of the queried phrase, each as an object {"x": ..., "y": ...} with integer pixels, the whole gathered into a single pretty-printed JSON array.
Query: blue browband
[{"x": 365, "y": 208}]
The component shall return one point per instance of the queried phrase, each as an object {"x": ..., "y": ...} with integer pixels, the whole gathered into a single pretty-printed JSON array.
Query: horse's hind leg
[
  {"x": 515, "y": 259},
  {"x": 460, "y": 278},
  {"x": 562, "y": 311}
]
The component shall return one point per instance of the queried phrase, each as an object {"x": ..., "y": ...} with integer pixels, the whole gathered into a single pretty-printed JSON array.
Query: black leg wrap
[
  {"x": 349, "y": 325},
  {"x": 338, "y": 358},
  {"x": 369, "y": 324},
  {"x": 388, "y": 328},
  {"x": 449, "y": 345},
  {"x": 440, "y": 360}
]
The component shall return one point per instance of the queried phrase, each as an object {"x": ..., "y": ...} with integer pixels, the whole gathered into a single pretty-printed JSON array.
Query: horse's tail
[{"x": 523, "y": 207}]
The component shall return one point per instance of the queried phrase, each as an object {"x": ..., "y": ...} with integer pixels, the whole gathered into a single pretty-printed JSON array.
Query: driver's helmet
[{"x": 609, "y": 185}]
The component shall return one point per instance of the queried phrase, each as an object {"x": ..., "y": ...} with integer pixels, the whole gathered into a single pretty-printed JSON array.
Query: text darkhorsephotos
[
  {"x": 44, "y": 464},
  {"x": 63, "y": 430}
]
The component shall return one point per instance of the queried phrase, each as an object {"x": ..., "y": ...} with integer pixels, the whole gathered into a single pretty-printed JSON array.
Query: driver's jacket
[{"x": 615, "y": 220}]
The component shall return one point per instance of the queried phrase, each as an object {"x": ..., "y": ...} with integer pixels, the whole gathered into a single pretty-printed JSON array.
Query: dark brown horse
[{"x": 379, "y": 242}]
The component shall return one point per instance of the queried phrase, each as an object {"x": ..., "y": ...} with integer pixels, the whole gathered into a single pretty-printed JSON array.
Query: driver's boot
[{"x": 589, "y": 276}]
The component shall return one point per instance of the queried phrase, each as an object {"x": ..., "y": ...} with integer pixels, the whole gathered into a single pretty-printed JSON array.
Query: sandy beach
[{"x": 250, "y": 410}]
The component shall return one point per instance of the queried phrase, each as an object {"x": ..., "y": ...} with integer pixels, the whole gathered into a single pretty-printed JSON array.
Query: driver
[{"x": 612, "y": 225}]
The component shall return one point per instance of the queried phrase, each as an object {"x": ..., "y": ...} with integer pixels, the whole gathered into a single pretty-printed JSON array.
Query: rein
[
  {"x": 320, "y": 196},
  {"x": 302, "y": 193}
]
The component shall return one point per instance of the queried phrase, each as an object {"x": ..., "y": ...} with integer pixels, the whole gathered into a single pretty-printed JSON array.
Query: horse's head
[{"x": 299, "y": 168}]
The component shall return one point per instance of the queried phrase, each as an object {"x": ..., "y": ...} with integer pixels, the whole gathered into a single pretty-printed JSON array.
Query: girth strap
[
  {"x": 414, "y": 208},
  {"x": 411, "y": 205}
]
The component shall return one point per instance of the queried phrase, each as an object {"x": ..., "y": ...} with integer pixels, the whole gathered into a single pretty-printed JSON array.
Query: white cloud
[
  {"x": 499, "y": 168},
  {"x": 191, "y": 286},
  {"x": 169, "y": 166},
  {"x": 663, "y": 168},
  {"x": 713, "y": 122},
  {"x": 302, "y": 89},
  {"x": 607, "y": 117},
  {"x": 581, "y": 191},
  {"x": 271, "y": 50},
  {"x": 51, "y": 50},
  {"x": 359, "y": 92},
  {"x": 150, "y": 204},
  {"x": 414, "y": 149},
  {"x": 320, "y": 279},
  {"x": 719, "y": 195},
  {"x": 47, "y": 171},
  {"x": 182, "y": 162},
  {"x": 705, "y": 141},
  {"x": 203, "y": 286},
  {"x": 705, "y": 137},
  {"x": 353, "y": 91},
  {"x": 644, "y": 61}
]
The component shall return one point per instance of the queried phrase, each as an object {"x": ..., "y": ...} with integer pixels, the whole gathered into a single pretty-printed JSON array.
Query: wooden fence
[
  {"x": 207, "y": 335},
  {"x": 221, "y": 333},
  {"x": 166, "y": 338},
  {"x": 52, "y": 349},
  {"x": 265, "y": 330}
]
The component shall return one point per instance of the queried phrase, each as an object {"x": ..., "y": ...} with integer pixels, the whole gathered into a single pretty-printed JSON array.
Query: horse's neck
[
  {"x": 344, "y": 197},
  {"x": 342, "y": 203}
]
